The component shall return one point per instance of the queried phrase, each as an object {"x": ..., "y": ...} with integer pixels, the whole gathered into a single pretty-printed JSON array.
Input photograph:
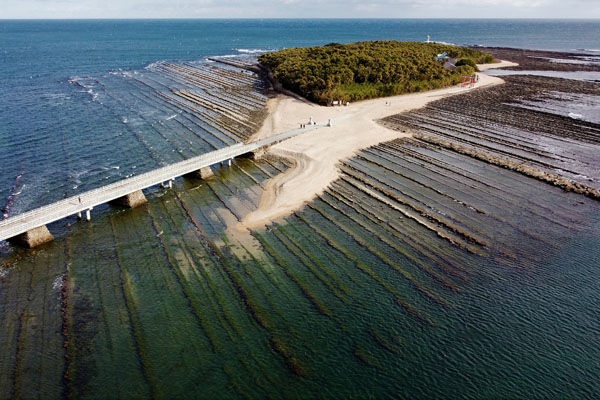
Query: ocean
[
  {"x": 350, "y": 297},
  {"x": 52, "y": 73}
]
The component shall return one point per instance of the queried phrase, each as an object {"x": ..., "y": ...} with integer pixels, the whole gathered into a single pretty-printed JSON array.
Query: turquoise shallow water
[{"x": 349, "y": 297}]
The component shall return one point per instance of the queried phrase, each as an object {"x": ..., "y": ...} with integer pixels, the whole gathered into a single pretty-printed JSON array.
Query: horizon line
[{"x": 297, "y": 18}]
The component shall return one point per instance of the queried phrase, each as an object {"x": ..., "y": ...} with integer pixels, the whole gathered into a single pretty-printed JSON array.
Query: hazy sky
[{"x": 299, "y": 9}]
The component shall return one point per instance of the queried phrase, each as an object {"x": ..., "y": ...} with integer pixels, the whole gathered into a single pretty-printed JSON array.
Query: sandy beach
[{"x": 316, "y": 154}]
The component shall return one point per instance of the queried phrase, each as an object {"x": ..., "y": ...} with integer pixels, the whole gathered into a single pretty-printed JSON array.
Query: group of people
[{"x": 304, "y": 125}]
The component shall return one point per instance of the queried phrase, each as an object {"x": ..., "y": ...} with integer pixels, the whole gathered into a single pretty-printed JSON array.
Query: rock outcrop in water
[
  {"x": 556, "y": 180},
  {"x": 519, "y": 126}
]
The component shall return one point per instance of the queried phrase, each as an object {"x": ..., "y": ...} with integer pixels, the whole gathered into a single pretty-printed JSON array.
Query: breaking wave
[{"x": 252, "y": 51}]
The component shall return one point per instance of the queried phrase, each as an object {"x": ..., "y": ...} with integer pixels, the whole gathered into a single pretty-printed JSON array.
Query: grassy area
[{"x": 364, "y": 70}]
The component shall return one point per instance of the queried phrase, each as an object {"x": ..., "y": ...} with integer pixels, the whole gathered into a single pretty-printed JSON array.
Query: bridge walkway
[{"x": 84, "y": 202}]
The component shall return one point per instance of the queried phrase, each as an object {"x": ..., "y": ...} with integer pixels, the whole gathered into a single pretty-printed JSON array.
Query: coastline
[
  {"x": 445, "y": 264},
  {"x": 315, "y": 155}
]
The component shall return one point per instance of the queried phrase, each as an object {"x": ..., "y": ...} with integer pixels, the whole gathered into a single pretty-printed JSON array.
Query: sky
[{"x": 10, "y": 9}]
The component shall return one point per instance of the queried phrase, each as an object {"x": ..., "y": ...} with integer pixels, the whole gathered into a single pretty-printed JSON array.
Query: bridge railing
[{"x": 212, "y": 157}]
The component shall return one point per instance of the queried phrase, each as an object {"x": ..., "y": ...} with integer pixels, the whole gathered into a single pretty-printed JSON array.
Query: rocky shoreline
[
  {"x": 541, "y": 60},
  {"x": 524, "y": 125}
]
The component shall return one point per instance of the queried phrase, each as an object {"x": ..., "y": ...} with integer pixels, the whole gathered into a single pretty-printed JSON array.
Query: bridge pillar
[
  {"x": 229, "y": 162},
  {"x": 202, "y": 173},
  {"x": 169, "y": 184},
  {"x": 88, "y": 216},
  {"x": 131, "y": 200},
  {"x": 33, "y": 237},
  {"x": 256, "y": 154}
]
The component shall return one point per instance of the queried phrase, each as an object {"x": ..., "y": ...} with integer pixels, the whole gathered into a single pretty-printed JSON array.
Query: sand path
[
  {"x": 316, "y": 154},
  {"x": 501, "y": 64}
]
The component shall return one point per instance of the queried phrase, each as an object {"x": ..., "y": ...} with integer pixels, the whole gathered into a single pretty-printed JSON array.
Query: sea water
[
  {"x": 57, "y": 134},
  {"x": 341, "y": 299}
]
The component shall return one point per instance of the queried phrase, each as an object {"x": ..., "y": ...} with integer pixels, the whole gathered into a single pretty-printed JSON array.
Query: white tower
[{"x": 428, "y": 41}]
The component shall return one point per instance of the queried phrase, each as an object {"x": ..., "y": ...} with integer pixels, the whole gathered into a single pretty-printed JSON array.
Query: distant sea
[{"x": 56, "y": 134}]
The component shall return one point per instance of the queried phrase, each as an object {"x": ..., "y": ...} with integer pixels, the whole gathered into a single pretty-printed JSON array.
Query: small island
[{"x": 365, "y": 70}]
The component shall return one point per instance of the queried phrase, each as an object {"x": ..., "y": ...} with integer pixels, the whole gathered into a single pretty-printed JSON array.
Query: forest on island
[{"x": 365, "y": 70}]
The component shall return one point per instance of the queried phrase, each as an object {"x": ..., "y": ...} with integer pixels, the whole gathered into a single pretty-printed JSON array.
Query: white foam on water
[
  {"x": 57, "y": 284},
  {"x": 440, "y": 42},
  {"x": 94, "y": 95},
  {"x": 56, "y": 96},
  {"x": 252, "y": 51},
  {"x": 75, "y": 81},
  {"x": 226, "y": 56},
  {"x": 153, "y": 65}
]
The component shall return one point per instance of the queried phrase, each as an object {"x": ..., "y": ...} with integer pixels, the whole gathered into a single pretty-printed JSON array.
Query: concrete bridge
[{"x": 29, "y": 229}]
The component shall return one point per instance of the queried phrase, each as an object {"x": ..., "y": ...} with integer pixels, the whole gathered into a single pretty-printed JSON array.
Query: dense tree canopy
[{"x": 364, "y": 70}]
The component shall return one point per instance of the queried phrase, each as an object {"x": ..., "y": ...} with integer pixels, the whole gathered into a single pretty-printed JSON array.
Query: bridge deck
[{"x": 41, "y": 216}]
